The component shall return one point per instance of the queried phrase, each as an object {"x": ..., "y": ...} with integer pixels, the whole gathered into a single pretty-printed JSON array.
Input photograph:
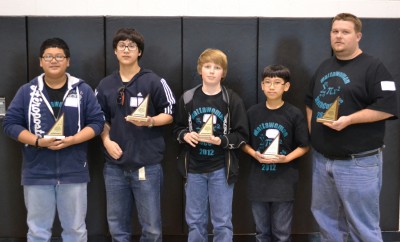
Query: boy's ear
[{"x": 287, "y": 86}]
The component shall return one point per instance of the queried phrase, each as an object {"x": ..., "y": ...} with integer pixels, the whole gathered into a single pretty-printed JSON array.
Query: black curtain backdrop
[{"x": 172, "y": 46}]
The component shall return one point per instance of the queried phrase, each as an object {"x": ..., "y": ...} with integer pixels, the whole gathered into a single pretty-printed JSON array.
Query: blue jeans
[
  {"x": 345, "y": 198},
  {"x": 201, "y": 190},
  {"x": 124, "y": 189},
  {"x": 41, "y": 202},
  {"x": 273, "y": 220}
]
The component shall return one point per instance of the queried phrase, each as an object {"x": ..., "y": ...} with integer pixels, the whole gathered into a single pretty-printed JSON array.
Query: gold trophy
[
  {"x": 207, "y": 130},
  {"x": 140, "y": 113},
  {"x": 331, "y": 114},
  {"x": 57, "y": 131},
  {"x": 272, "y": 150}
]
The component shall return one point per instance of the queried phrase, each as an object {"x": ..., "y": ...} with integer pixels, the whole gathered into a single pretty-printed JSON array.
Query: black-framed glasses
[
  {"x": 49, "y": 58},
  {"x": 122, "y": 46},
  {"x": 121, "y": 96}
]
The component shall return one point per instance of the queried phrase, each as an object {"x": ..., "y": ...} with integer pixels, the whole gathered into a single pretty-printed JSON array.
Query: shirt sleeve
[
  {"x": 15, "y": 121},
  {"x": 165, "y": 101},
  {"x": 383, "y": 89}
]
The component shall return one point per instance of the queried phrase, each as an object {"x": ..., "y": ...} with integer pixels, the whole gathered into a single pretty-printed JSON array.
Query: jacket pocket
[
  {"x": 232, "y": 166},
  {"x": 183, "y": 161}
]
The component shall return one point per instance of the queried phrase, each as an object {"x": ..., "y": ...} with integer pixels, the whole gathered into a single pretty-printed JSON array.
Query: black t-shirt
[
  {"x": 275, "y": 182},
  {"x": 56, "y": 97},
  {"x": 361, "y": 83},
  {"x": 207, "y": 157}
]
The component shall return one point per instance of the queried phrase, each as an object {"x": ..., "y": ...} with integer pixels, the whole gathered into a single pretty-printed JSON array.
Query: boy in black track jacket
[
  {"x": 133, "y": 149},
  {"x": 210, "y": 166}
]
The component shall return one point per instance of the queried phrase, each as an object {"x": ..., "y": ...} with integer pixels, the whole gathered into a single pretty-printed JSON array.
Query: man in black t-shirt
[{"x": 347, "y": 157}]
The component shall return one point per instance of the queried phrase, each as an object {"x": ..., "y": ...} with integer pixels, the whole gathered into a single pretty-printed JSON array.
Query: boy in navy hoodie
[{"x": 54, "y": 171}]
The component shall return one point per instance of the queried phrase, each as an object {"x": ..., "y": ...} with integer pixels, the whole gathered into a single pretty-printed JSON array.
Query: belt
[{"x": 353, "y": 156}]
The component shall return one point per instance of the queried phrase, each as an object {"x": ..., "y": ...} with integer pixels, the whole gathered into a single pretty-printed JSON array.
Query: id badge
[{"x": 142, "y": 174}]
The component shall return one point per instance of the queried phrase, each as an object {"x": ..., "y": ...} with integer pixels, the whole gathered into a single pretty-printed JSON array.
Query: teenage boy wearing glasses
[
  {"x": 54, "y": 171},
  {"x": 133, "y": 150},
  {"x": 272, "y": 179}
]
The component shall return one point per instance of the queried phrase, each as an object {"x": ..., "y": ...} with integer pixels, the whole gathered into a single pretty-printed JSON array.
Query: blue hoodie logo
[{"x": 35, "y": 111}]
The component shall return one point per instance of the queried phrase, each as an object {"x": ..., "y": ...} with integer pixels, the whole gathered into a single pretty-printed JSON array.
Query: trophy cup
[
  {"x": 140, "y": 113},
  {"x": 207, "y": 130},
  {"x": 272, "y": 150},
  {"x": 57, "y": 131},
  {"x": 331, "y": 114}
]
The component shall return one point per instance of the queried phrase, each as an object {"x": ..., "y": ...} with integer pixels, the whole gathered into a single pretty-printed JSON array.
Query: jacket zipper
[
  {"x": 58, "y": 167},
  {"x": 186, "y": 168},
  {"x": 57, "y": 152},
  {"x": 228, "y": 166}
]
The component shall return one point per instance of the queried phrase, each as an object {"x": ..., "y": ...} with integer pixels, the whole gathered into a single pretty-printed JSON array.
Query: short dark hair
[
  {"x": 54, "y": 43},
  {"x": 276, "y": 71},
  {"x": 129, "y": 34}
]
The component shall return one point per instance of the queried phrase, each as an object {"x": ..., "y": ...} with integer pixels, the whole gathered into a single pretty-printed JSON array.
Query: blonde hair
[
  {"x": 215, "y": 56},
  {"x": 351, "y": 18}
]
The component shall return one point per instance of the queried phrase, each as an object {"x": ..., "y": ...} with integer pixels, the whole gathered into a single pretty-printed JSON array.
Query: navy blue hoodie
[
  {"x": 142, "y": 146},
  {"x": 31, "y": 110}
]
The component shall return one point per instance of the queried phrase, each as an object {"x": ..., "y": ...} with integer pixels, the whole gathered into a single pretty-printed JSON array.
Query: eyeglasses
[
  {"x": 121, "y": 96},
  {"x": 49, "y": 58},
  {"x": 269, "y": 84},
  {"x": 122, "y": 46}
]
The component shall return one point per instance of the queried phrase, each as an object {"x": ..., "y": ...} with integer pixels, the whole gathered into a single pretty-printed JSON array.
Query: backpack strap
[{"x": 188, "y": 95}]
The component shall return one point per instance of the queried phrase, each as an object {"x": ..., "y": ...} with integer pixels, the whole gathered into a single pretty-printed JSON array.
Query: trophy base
[
  {"x": 323, "y": 120},
  {"x": 271, "y": 156},
  {"x": 139, "y": 119},
  {"x": 205, "y": 137},
  {"x": 58, "y": 137}
]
